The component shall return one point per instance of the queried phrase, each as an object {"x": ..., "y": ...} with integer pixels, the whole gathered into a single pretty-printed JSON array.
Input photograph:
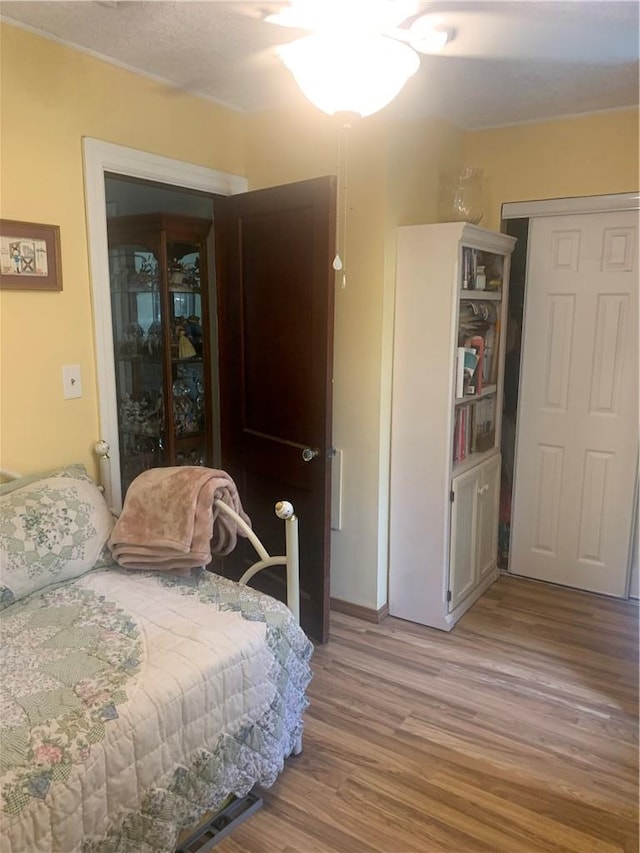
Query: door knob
[
  {"x": 101, "y": 448},
  {"x": 309, "y": 453}
]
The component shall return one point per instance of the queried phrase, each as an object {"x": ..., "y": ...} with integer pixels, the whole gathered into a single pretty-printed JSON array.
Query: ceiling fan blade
[
  {"x": 376, "y": 16},
  {"x": 545, "y": 31}
]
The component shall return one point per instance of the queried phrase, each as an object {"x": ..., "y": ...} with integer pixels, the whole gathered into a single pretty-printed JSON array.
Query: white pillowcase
[{"x": 52, "y": 528}]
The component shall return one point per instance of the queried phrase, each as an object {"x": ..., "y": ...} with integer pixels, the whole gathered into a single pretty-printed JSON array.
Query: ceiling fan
[
  {"x": 396, "y": 19},
  {"x": 596, "y": 31},
  {"x": 346, "y": 43}
]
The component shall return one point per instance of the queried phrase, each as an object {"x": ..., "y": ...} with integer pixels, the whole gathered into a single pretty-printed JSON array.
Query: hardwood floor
[{"x": 517, "y": 732}]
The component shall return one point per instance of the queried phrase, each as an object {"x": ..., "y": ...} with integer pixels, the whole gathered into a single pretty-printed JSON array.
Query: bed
[{"x": 132, "y": 702}]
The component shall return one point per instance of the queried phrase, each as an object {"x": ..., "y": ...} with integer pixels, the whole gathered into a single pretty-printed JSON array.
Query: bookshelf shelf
[
  {"x": 471, "y": 462},
  {"x": 445, "y": 441},
  {"x": 487, "y": 391},
  {"x": 488, "y": 295}
]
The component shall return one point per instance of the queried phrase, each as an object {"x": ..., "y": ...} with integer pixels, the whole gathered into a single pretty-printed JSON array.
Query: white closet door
[{"x": 577, "y": 440}]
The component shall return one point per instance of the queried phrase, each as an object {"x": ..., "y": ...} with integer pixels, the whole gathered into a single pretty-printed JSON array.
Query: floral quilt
[{"x": 131, "y": 703}]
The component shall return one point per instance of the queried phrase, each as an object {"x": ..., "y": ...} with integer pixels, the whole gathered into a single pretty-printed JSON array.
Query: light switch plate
[{"x": 71, "y": 381}]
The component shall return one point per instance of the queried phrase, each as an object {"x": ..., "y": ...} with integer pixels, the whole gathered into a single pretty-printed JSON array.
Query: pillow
[
  {"x": 77, "y": 471},
  {"x": 54, "y": 527}
]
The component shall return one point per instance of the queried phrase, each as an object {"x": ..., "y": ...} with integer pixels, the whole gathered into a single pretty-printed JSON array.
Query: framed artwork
[{"x": 29, "y": 256}]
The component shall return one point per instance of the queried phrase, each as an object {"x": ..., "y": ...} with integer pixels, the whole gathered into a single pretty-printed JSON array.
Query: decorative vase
[{"x": 460, "y": 196}]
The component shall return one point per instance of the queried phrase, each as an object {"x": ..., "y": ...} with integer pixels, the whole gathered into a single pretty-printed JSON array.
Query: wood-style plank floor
[{"x": 516, "y": 732}]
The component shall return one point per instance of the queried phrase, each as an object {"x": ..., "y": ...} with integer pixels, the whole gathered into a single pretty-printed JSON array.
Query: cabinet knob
[{"x": 309, "y": 453}]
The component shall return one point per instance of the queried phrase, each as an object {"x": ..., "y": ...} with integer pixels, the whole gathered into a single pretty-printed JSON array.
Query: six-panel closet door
[{"x": 577, "y": 442}]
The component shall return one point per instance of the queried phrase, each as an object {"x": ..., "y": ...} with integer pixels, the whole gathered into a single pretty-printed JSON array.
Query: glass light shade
[{"x": 350, "y": 73}]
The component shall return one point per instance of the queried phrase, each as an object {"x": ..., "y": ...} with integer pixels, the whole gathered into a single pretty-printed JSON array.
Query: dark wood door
[{"x": 274, "y": 249}]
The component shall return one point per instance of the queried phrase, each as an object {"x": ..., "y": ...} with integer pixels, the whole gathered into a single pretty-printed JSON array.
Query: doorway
[
  {"x": 101, "y": 159},
  {"x": 310, "y": 203},
  {"x": 518, "y": 228},
  {"x": 144, "y": 208}
]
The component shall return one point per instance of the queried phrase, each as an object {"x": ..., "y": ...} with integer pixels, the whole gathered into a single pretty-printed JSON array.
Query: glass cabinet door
[
  {"x": 162, "y": 353},
  {"x": 189, "y": 378},
  {"x": 136, "y": 310}
]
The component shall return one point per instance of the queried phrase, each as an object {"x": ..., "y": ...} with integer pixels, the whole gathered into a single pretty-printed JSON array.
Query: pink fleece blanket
[{"x": 169, "y": 522}]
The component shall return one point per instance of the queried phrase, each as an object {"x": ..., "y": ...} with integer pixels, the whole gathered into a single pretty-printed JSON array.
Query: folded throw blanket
[{"x": 169, "y": 522}]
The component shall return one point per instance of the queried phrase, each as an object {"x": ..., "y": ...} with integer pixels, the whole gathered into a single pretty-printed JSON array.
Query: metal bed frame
[
  {"x": 283, "y": 509},
  {"x": 211, "y": 832},
  {"x": 290, "y": 559}
]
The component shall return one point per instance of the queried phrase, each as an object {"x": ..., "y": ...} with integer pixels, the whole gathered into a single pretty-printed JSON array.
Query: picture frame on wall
[{"x": 30, "y": 257}]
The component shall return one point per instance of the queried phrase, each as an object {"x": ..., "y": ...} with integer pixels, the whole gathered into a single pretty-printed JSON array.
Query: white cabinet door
[
  {"x": 474, "y": 528},
  {"x": 464, "y": 509},
  {"x": 488, "y": 508}
]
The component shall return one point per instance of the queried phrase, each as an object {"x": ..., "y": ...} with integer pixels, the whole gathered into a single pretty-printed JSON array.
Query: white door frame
[
  {"x": 101, "y": 157},
  {"x": 582, "y": 204},
  {"x": 564, "y": 206}
]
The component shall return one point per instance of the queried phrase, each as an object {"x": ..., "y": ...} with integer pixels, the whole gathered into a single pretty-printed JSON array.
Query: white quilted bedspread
[{"x": 133, "y": 702}]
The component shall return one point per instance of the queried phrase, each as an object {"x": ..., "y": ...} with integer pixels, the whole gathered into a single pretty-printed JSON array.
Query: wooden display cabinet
[{"x": 160, "y": 304}]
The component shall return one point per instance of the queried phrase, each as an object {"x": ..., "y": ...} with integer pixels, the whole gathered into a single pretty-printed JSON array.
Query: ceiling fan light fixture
[{"x": 351, "y": 73}]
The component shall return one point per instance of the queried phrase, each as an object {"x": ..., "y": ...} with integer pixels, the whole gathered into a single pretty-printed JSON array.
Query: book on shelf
[
  {"x": 470, "y": 361},
  {"x": 475, "y": 260},
  {"x": 484, "y": 425},
  {"x": 462, "y": 434},
  {"x": 467, "y": 268},
  {"x": 467, "y": 359},
  {"x": 477, "y": 362},
  {"x": 474, "y": 428},
  {"x": 477, "y": 343},
  {"x": 489, "y": 353},
  {"x": 460, "y": 373}
]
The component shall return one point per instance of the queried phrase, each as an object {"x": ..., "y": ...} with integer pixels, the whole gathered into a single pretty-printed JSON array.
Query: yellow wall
[
  {"x": 393, "y": 171},
  {"x": 52, "y": 96},
  {"x": 585, "y": 155}
]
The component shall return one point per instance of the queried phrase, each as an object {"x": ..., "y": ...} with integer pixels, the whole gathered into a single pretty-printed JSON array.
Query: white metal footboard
[
  {"x": 283, "y": 510},
  {"x": 290, "y": 559}
]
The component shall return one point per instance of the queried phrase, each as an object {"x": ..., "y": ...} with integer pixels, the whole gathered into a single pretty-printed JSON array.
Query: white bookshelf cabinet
[{"x": 445, "y": 428}]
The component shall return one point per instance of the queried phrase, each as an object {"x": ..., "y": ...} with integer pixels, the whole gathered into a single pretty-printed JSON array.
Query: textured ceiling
[{"x": 510, "y": 62}]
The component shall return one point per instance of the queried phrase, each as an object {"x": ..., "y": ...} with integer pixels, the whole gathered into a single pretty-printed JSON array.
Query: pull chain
[{"x": 340, "y": 260}]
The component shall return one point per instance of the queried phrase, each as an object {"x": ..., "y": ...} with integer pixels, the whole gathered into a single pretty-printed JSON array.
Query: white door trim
[
  {"x": 563, "y": 206},
  {"x": 101, "y": 157}
]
